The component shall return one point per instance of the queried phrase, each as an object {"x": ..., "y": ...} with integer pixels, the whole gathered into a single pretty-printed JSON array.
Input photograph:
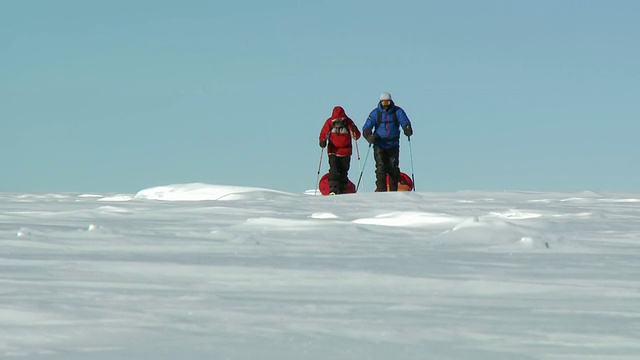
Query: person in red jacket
[{"x": 336, "y": 135}]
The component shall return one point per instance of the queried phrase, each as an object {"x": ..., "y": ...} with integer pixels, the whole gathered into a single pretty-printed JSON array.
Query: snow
[{"x": 202, "y": 271}]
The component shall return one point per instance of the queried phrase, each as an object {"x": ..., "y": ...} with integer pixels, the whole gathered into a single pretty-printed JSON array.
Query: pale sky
[{"x": 503, "y": 95}]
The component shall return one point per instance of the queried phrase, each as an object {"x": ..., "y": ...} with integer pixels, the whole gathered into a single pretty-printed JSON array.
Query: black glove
[
  {"x": 371, "y": 138},
  {"x": 323, "y": 143},
  {"x": 408, "y": 130}
]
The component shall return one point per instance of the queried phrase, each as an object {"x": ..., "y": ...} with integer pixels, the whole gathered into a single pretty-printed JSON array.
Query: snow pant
[
  {"x": 387, "y": 162},
  {"x": 338, "y": 173}
]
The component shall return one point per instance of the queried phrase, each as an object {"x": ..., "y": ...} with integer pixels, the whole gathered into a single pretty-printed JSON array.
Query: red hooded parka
[{"x": 338, "y": 130}]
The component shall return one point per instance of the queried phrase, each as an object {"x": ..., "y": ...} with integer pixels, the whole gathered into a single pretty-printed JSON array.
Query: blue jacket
[{"x": 388, "y": 132}]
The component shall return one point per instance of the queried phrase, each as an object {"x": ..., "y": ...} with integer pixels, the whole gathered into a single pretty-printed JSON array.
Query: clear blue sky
[{"x": 509, "y": 95}]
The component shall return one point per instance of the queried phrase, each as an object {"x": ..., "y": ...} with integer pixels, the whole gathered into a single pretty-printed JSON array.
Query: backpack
[
  {"x": 395, "y": 121},
  {"x": 339, "y": 126}
]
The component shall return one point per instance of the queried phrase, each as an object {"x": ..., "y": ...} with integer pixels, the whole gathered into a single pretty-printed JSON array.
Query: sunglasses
[{"x": 385, "y": 102}]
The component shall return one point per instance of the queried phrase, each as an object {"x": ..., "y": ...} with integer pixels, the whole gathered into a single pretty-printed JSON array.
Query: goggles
[{"x": 385, "y": 102}]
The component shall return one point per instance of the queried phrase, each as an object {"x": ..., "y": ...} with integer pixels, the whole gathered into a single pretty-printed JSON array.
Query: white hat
[{"x": 385, "y": 96}]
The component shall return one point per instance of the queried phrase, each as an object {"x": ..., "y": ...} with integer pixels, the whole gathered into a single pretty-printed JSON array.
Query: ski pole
[
  {"x": 411, "y": 155},
  {"x": 315, "y": 191},
  {"x": 357, "y": 152},
  {"x": 362, "y": 170}
]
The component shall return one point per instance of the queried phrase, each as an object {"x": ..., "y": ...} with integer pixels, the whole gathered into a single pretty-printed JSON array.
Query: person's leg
[
  {"x": 394, "y": 167},
  {"x": 334, "y": 174},
  {"x": 345, "y": 162},
  {"x": 381, "y": 169}
]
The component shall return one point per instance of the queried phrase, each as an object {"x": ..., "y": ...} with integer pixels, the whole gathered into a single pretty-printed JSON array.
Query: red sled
[
  {"x": 404, "y": 182},
  {"x": 324, "y": 188}
]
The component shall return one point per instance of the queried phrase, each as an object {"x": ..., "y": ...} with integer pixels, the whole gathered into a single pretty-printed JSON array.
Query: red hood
[{"x": 338, "y": 112}]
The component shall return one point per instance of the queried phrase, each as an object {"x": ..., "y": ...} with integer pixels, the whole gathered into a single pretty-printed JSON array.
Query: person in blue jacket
[{"x": 382, "y": 130}]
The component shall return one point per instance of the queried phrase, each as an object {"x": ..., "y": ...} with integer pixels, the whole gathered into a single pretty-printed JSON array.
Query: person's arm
[
  {"x": 354, "y": 130},
  {"x": 324, "y": 132},
  {"x": 368, "y": 126},
  {"x": 404, "y": 122}
]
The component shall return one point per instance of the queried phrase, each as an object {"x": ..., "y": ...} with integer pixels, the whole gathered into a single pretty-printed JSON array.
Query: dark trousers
[
  {"x": 387, "y": 162},
  {"x": 338, "y": 173}
]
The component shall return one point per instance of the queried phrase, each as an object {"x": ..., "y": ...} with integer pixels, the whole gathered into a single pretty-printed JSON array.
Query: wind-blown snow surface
[{"x": 249, "y": 273}]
